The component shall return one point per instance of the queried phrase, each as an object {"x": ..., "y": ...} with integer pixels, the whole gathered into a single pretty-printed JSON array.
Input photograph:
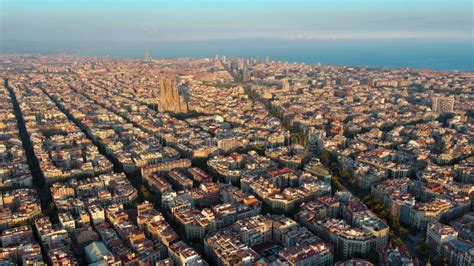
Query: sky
[{"x": 185, "y": 20}]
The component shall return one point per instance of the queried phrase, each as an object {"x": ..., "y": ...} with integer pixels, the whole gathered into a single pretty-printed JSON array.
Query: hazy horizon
[
  {"x": 393, "y": 33},
  {"x": 419, "y": 54}
]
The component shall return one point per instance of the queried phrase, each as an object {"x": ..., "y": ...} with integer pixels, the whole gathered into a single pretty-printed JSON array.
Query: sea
[{"x": 378, "y": 53}]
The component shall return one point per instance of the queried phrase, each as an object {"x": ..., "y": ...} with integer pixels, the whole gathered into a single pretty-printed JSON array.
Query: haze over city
[
  {"x": 422, "y": 34},
  {"x": 195, "y": 133}
]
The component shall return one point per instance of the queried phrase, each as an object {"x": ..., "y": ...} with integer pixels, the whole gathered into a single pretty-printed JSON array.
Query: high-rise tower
[{"x": 147, "y": 56}]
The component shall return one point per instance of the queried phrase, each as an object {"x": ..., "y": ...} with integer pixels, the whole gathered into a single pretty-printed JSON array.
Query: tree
[
  {"x": 345, "y": 174},
  {"x": 397, "y": 241},
  {"x": 51, "y": 209},
  {"x": 403, "y": 232},
  {"x": 24, "y": 222},
  {"x": 326, "y": 157},
  {"x": 368, "y": 200},
  {"x": 421, "y": 248},
  {"x": 144, "y": 192},
  {"x": 378, "y": 207}
]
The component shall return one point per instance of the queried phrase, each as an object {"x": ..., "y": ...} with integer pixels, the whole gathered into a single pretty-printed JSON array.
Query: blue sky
[{"x": 181, "y": 20}]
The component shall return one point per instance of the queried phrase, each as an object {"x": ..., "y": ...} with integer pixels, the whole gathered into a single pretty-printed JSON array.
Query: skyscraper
[
  {"x": 147, "y": 56},
  {"x": 245, "y": 75}
]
